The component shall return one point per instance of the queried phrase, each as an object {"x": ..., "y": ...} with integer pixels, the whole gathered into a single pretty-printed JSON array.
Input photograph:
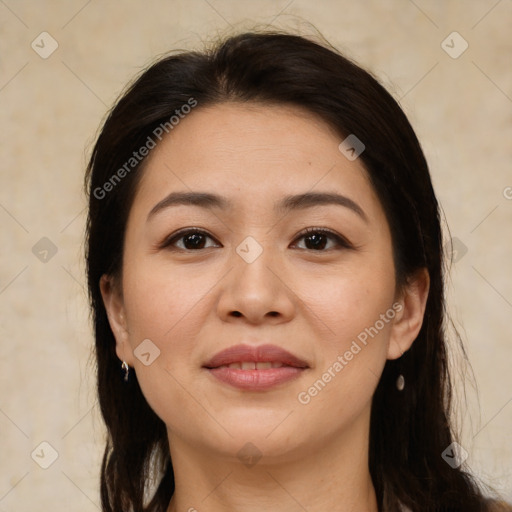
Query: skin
[{"x": 192, "y": 303}]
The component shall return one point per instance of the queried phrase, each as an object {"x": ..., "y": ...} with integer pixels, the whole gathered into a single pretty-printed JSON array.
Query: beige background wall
[{"x": 50, "y": 109}]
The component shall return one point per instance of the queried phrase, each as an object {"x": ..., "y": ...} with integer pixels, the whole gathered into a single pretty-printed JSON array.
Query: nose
[{"x": 256, "y": 292}]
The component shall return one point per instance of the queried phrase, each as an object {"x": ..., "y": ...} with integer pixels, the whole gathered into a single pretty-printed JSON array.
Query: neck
[{"x": 318, "y": 478}]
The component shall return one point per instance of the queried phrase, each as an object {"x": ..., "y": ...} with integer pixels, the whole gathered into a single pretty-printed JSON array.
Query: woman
[{"x": 265, "y": 270}]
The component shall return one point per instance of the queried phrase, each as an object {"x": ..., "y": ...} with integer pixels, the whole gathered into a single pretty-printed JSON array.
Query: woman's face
[{"x": 252, "y": 277}]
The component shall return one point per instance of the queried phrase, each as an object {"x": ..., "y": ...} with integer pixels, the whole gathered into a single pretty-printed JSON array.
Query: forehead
[
  {"x": 233, "y": 130},
  {"x": 255, "y": 151}
]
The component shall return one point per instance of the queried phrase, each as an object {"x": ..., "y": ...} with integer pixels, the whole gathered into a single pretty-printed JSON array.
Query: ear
[
  {"x": 114, "y": 306},
  {"x": 410, "y": 309}
]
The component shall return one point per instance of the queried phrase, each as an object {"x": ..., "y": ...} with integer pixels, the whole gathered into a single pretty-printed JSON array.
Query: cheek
[
  {"x": 164, "y": 308},
  {"x": 159, "y": 300},
  {"x": 350, "y": 361},
  {"x": 355, "y": 312},
  {"x": 348, "y": 302},
  {"x": 168, "y": 306}
]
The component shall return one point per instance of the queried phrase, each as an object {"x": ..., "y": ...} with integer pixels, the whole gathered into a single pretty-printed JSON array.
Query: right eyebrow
[{"x": 201, "y": 199}]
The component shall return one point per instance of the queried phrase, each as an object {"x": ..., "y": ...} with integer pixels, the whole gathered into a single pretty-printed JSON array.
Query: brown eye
[
  {"x": 189, "y": 240},
  {"x": 318, "y": 239},
  {"x": 193, "y": 241}
]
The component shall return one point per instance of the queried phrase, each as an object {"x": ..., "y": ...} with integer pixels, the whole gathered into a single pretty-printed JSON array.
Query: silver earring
[
  {"x": 126, "y": 369},
  {"x": 400, "y": 383}
]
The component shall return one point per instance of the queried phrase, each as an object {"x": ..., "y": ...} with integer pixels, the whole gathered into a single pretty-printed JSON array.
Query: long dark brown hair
[{"x": 410, "y": 429}]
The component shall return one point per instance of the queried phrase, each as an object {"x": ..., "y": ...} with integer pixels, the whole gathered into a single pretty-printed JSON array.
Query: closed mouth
[
  {"x": 253, "y": 365},
  {"x": 262, "y": 357}
]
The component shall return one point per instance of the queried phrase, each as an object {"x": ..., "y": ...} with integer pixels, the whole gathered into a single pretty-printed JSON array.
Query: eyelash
[{"x": 341, "y": 242}]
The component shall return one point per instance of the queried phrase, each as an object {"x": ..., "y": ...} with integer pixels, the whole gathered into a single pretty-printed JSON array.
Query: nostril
[{"x": 271, "y": 313}]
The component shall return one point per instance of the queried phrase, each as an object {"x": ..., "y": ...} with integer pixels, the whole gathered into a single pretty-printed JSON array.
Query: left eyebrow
[{"x": 311, "y": 199}]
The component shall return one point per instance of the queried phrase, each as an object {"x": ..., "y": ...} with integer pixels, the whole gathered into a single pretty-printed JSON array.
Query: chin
[{"x": 249, "y": 436}]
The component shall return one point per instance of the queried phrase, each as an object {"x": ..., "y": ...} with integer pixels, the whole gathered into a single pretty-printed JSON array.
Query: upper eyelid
[
  {"x": 341, "y": 240},
  {"x": 174, "y": 237}
]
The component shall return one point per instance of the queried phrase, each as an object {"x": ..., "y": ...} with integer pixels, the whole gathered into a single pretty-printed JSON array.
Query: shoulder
[
  {"x": 491, "y": 505},
  {"x": 497, "y": 506}
]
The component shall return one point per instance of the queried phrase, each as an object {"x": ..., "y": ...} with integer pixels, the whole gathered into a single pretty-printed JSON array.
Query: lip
[
  {"x": 254, "y": 379},
  {"x": 257, "y": 354}
]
